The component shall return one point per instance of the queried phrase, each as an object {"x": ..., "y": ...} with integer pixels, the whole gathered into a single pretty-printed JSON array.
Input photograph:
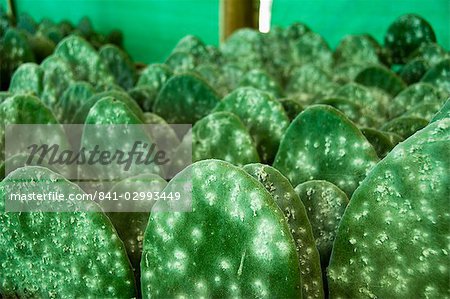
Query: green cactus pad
[
  {"x": 439, "y": 76},
  {"x": 432, "y": 53},
  {"x": 352, "y": 110},
  {"x": 184, "y": 99},
  {"x": 295, "y": 31},
  {"x": 213, "y": 75},
  {"x": 263, "y": 116},
  {"x": 117, "y": 95},
  {"x": 15, "y": 51},
  {"x": 381, "y": 141},
  {"x": 59, "y": 255},
  {"x": 312, "y": 48},
  {"x": 424, "y": 111},
  {"x": 261, "y": 80},
  {"x": 322, "y": 144},
  {"x": 110, "y": 111},
  {"x": 420, "y": 93},
  {"x": 4, "y": 95},
  {"x": 414, "y": 70},
  {"x": 154, "y": 76},
  {"x": 27, "y": 79},
  {"x": 296, "y": 217},
  {"x": 382, "y": 78},
  {"x": 325, "y": 204},
  {"x": 373, "y": 102},
  {"x": 347, "y": 72},
  {"x": 244, "y": 47},
  {"x": 144, "y": 96},
  {"x": 444, "y": 112},
  {"x": 234, "y": 243},
  {"x": 193, "y": 45},
  {"x": 73, "y": 98},
  {"x": 131, "y": 226},
  {"x": 310, "y": 79},
  {"x": 119, "y": 64},
  {"x": 181, "y": 62},
  {"x": 222, "y": 135},
  {"x": 84, "y": 60},
  {"x": 393, "y": 239},
  {"x": 58, "y": 76},
  {"x": 357, "y": 49},
  {"x": 404, "y": 126},
  {"x": 406, "y": 34},
  {"x": 292, "y": 107}
]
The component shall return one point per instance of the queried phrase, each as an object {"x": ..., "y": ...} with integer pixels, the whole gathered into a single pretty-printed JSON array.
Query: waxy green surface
[
  {"x": 404, "y": 126},
  {"x": 414, "y": 70},
  {"x": 27, "y": 79},
  {"x": 222, "y": 135},
  {"x": 404, "y": 202},
  {"x": 234, "y": 243},
  {"x": 58, "y": 76},
  {"x": 357, "y": 49},
  {"x": 381, "y": 141},
  {"x": 310, "y": 79},
  {"x": 185, "y": 99},
  {"x": 382, "y": 78},
  {"x": 296, "y": 217},
  {"x": 59, "y": 254},
  {"x": 443, "y": 113},
  {"x": 323, "y": 144},
  {"x": 119, "y": 65},
  {"x": 71, "y": 101},
  {"x": 130, "y": 226},
  {"x": 406, "y": 34},
  {"x": 109, "y": 111},
  {"x": 413, "y": 95},
  {"x": 181, "y": 62},
  {"x": 439, "y": 76},
  {"x": 263, "y": 116},
  {"x": 325, "y": 204},
  {"x": 259, "y": 79},
  {"x": 84, "y": 60},
  {"x": 311, "y": 48}
]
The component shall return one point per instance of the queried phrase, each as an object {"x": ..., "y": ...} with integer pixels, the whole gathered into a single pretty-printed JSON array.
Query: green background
[{"x": 153, "y": 27}]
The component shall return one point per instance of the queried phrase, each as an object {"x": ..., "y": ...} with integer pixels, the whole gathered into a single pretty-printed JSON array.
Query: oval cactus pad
[
  {"x": 222, "y": 135},
  {"x": 289, "y": 202},
  {"x": 263, "y": 116},
  {"x": 325, "y": 204},
  {"x": 184, "y": 99},
  {"x": 234, "y": 243},
  {"x": 58, "y": 255},
  {"x": 393, "y": 239},
  {"x": 322, "y": 144}
]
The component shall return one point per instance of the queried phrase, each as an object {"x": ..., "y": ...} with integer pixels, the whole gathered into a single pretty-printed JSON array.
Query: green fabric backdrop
[{"x": 152, "y": 27}]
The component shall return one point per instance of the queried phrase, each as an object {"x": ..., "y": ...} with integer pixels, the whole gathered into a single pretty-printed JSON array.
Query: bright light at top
[{"x": 265, "y": 15}]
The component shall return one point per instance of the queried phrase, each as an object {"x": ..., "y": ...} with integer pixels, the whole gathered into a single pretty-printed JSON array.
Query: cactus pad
[
  {"x": 382, "y": 78},
  {"x": 323, "y": 144},
  {"x": 263, "y": 116},
  {"x": 64, "y": 255},
  {"x": 184, "y": 99},
  {"x": 357, "y": 49},
  {"x": 234, "y": 243},
  {"x": 404, "y": 126},
  {"x": 444, "y": 112},
  {"x": 222, "y": 135},
  {"x": 439, "y": 76},
  {"x": 27, "y": 79},
  {"x": 406, "y": 34},
  {"x": 119, "y": 65},
  {"x": 325, "y": 204},
  {"x": 289, "y": 202},
  {"x": 84, "y": 60},
  {"x": 393, "y": 239}
]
